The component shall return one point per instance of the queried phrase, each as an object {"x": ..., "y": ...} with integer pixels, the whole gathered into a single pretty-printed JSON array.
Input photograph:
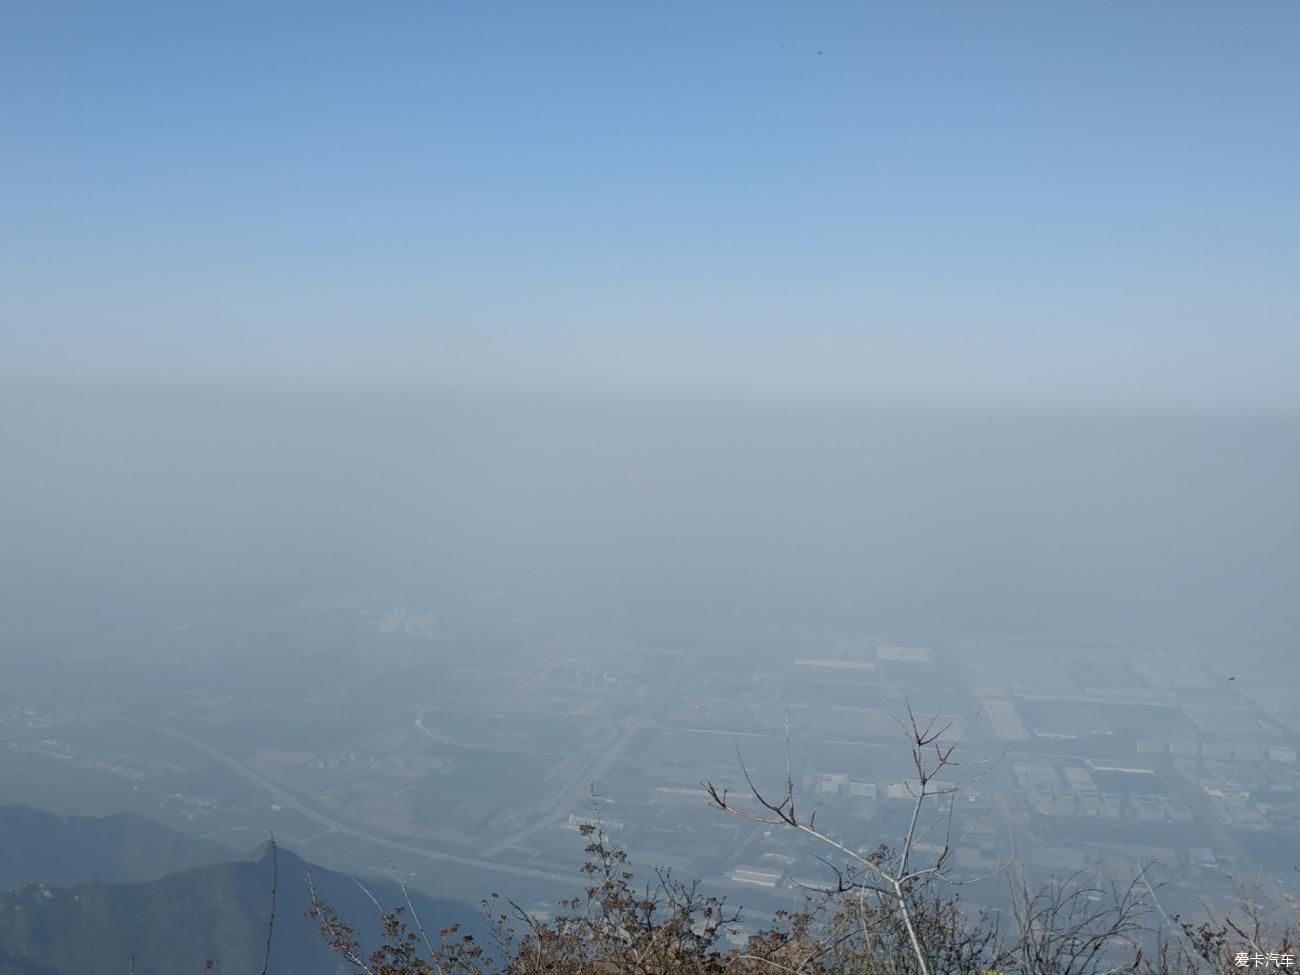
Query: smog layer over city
[{"x": 831, "y": 470}]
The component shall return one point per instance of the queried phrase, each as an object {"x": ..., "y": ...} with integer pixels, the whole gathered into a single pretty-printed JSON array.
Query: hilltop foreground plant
[
  {"x": 892, "y": 884},
  {"x": 667, "y": 925}
]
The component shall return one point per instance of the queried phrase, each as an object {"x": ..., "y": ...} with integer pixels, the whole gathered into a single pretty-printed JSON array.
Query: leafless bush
[
  {"x": 884, "y": 882},
  {"x": 1076, "y": 926}
]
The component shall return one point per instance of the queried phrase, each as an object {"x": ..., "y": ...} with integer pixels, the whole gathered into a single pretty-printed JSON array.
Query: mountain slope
[
  {"x": 175, "y": 923},
  {"x": 40, "y": 847}
]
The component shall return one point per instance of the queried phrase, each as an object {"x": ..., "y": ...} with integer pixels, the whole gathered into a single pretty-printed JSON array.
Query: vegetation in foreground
[{"x": 880, "y": 915}]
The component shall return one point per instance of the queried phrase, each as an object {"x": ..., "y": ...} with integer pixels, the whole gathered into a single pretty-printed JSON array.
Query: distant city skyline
[{"x": 1026, "y": 204}]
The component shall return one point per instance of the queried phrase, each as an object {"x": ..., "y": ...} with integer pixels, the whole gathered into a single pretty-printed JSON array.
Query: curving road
[{"x": 289, "y": 801}]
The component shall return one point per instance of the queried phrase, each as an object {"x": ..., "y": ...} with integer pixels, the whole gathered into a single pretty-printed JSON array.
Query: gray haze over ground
[{"x": 121, "y": 502}]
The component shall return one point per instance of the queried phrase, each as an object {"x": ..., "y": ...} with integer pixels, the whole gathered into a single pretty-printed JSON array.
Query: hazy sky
[
  {"x": 148, "y": 504},
  {"x": 1071, "y": 202}
]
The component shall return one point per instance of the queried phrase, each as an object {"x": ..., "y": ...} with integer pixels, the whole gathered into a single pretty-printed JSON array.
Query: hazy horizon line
[{"x": 631, "y": 395}]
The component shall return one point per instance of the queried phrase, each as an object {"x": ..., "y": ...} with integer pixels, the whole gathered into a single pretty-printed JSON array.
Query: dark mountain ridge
[
  {"x": 41, "y": 847},
  {"x": 217, "y": 911}
]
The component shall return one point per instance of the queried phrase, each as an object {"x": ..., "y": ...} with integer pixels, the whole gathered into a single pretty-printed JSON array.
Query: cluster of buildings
[{"x": 408, "y": 622}]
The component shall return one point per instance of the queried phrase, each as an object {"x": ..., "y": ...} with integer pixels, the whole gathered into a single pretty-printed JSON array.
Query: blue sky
[{"x": 1039, "y": 202}]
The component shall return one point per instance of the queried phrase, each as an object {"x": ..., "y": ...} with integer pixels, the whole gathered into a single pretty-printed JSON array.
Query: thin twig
[
  {"x": 433, "y": 956},
  {"x": 270, "y": 924}
]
